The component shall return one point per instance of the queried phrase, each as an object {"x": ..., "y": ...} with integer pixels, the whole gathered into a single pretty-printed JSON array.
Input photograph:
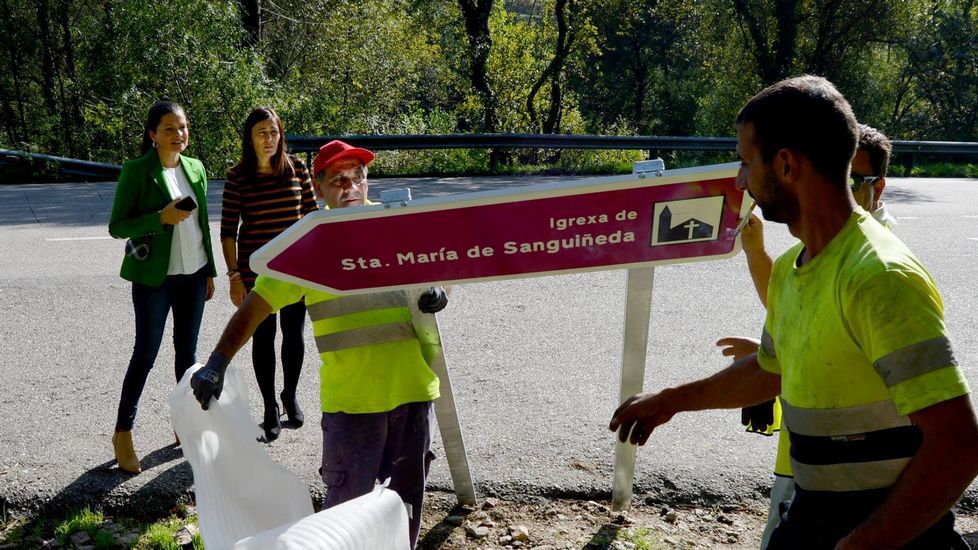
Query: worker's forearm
[
  {"x": 915, "y": 503},
  {"x": 243, "y": 324},
  {"x": 742, "y": 384},
  {"x": 937, "y": 475},
  {"x": 760, "y": 265}
]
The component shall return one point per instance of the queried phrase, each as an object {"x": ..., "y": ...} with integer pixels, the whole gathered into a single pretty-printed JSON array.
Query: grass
[
  {"x": 85, "y": 520},
  {"x": 158, "y": 535},
  {"x": 943, "y": 170},
  {"x": 162, "y": 535},
  {"x": 642, "y": 538}
]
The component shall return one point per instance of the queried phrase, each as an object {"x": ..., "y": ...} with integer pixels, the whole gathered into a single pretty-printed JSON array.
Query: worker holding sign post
[
  {"x": 883, "y": 435},
  {"x": 376, "y": 386}
]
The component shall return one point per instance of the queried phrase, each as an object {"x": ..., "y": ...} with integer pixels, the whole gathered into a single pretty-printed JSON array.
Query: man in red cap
[
  {"x": 376, "y": 387},
  {"x": 340, "y": 174}
]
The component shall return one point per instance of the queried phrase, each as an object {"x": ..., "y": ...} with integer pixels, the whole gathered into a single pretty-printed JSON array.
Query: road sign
[{"x": 616, "y": 222}]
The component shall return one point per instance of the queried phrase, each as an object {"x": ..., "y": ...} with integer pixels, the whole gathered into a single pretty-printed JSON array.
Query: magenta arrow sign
[{"x": 585, "y": 225}]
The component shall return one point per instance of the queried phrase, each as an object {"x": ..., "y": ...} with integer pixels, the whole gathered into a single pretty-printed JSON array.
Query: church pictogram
[{"x": 684, "y": 221}]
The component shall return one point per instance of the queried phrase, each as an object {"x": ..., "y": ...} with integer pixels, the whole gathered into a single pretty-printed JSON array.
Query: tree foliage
[{"x": 78, "y": 76}]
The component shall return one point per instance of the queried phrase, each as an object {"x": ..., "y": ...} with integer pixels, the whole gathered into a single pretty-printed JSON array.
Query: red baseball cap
[{"x": 337, "y": 150}]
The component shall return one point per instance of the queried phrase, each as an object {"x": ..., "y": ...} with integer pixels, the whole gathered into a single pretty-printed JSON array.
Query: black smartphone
[{"x": 187, "y": 204}]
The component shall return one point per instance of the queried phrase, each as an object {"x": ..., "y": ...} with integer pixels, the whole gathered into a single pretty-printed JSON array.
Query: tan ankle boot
[{"x": 125, "y": 455}]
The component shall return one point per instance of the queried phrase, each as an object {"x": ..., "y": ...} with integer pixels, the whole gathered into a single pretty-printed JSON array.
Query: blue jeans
[
  {"x": 185, "y": 295},
  {"x": 360, "y": 449}
]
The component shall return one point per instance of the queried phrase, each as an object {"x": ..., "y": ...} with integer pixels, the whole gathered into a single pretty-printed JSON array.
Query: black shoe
[
  {"x": 272, "y": 425},
  {"x": 292, "y": 411}
]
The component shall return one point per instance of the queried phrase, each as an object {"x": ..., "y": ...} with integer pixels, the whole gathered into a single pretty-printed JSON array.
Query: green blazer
[{"x": 139, "y": 198}]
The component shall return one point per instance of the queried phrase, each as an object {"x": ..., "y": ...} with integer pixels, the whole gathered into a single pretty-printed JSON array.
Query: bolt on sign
[{"x": 594, "y": 224}]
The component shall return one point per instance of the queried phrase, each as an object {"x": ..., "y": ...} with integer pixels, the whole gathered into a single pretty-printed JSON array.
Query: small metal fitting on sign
[
  {"x": 395, "y": 197},
  {"x": 644, "y": 168}
]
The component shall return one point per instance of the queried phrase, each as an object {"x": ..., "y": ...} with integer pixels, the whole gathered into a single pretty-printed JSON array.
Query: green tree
[
  {"x": 184, "y": 50},
  {"x": 353, "y": 66},
  {"x": 573, "y": 26},
  {"x": 944, "y": 65},
  {"x": 643, "y": 66},
  {"x": 475, "y": 16}
]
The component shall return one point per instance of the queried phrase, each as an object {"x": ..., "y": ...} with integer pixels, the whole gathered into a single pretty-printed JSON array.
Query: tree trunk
[
  {"x": 774, "y": 65},
  {"x": 251, "y": 21},
  {"x": 563, "y": 46},
  {"x": 641, "y": 86},
  {"x": 20, "y": 117},
  {"x": 476, "y": 14},
  {"x": 48, "y": 69},
  {"x": 69, "y": 98}
]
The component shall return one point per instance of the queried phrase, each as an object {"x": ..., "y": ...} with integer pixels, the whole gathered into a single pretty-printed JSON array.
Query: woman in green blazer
[{"x": 161, "y": 207}]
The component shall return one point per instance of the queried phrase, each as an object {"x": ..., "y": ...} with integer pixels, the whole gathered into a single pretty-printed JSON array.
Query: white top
[
  {"x": 885, "y": 218},
  {"x": 187, "y": 253}
]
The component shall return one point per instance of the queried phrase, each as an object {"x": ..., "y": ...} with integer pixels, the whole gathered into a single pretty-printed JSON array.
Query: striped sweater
[{"x": 264, "y": 206}]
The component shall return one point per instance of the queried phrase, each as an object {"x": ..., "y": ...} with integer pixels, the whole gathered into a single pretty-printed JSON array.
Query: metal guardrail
[
  {"x": 302, "y": 144},
  {"x": 517, "y": 141},
  {"x": 936, "y": 147},
  {"x": 310, "y": 144},
  {"x": 67, "y": 166}
]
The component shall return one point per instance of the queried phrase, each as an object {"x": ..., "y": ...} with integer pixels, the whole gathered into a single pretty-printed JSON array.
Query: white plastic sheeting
[
  {"x": 240, "y": 490},
  {"x": 246, "y": 500},
  {"x": 375, "y": 521}
]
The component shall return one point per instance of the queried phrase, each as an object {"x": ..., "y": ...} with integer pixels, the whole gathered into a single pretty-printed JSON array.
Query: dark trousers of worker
[
  {"x": 361, "y": 449},
  {"x": 817, "y": 520},
  {"x": 292, "y": 320},
  {"x": 184, "y": 295}
]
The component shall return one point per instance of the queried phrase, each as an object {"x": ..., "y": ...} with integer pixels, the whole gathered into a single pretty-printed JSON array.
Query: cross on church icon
[{"x": 687, "y": 220}]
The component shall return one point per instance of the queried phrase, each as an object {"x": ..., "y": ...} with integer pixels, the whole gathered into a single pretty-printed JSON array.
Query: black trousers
[
  {"x": 292, "y": 319},
  {"x": 819, "y": 519}
]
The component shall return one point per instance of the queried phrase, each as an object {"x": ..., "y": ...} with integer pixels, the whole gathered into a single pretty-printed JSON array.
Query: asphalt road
[{"x": 534, "y": 362}]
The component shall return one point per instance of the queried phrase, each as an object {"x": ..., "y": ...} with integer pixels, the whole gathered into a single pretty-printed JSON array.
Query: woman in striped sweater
[{"x": 266, "y": 192}]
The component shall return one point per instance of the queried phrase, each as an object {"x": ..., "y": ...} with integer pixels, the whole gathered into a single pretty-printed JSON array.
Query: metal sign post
[
  {"x": 638, "y": 311},
  {"x": 426, "y": 327},
  {"x": 428, "y": 332}
]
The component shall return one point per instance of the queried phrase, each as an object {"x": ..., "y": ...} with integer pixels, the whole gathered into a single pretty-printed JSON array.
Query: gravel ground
[
  {"x": 531, "y": 523},
  {"x": 547, "y": 524}
]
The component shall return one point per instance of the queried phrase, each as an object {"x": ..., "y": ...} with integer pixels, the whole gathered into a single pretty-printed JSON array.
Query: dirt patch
[
  {"x": 547, "y": 524},
  {"x": 562, "y": 524}
]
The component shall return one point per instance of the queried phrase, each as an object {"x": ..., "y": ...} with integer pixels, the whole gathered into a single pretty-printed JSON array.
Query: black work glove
[
  {"x": 433, "y": 300},
  {"x": 209, "y": 381},
  {"x": 758, "y": 418}
]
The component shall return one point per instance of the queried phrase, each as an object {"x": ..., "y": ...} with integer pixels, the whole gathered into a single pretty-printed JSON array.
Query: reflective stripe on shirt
[
  {"x": 767, "y": 343},
  {"x": 347, "y": 305},
  {"x": 853, "y": 476},
  {"x": 365, "y": 336},
  {"x": 849, "y": 420},
  {"x": 913, "y": 361},
  {"x": 362, "y": 336},
  {"x": 849, "y": 449}
]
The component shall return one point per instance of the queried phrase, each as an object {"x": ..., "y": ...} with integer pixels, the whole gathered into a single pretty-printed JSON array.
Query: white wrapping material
[
  {"x": 375, "y": 521},
  {"x": 245, "y": 500},
  {"x": 240, "y": 490}
]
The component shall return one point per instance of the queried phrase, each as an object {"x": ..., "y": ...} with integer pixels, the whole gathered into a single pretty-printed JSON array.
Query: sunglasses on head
[{"x": 856, "y": 182}]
